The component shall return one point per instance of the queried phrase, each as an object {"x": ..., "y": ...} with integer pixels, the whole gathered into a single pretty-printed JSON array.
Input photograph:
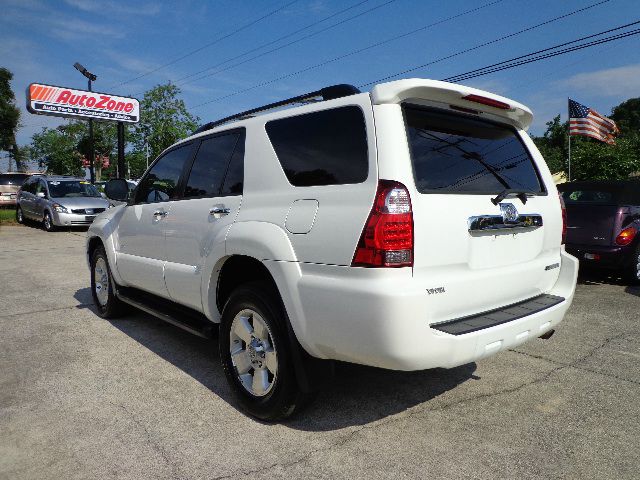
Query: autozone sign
[{"x": 69, "y": 102}]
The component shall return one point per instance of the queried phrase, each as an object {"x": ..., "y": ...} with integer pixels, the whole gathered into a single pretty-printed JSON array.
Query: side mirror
[
  {"x": 117, "y": 189},
  {"x": 40, "y": 195}
]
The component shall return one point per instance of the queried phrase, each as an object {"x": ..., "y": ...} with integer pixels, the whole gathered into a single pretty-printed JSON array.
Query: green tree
[
  {"x": 627, "y": 117},
  {"x": 57, "y": 149},
  {"x": 553, "y": 145},
  {"x": 164, "y": 120},
  {"x": 590, "y": 158},
  {"x": 62, "y": 149},
  {"x": 9, "y": 119}
]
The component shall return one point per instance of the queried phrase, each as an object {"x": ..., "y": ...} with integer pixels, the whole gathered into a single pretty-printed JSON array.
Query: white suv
[{"x": 411, "y": 227}]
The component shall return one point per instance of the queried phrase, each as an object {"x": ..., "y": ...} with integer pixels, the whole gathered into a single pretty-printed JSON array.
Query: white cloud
[
  {"x": 620, "y": 81},
  {"x": 115, "y": 7}
]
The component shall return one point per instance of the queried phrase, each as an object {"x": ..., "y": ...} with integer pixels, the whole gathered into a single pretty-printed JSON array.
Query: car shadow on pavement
[
  {"x": 590, "y": 276},
  {"x": 357, "y": 396}
]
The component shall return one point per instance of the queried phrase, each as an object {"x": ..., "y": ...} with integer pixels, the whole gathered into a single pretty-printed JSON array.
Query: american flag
[{"x": 586, "y": 121}]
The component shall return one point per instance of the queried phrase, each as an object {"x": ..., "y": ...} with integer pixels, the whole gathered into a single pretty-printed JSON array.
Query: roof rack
[{"x": 327, "y": 93}]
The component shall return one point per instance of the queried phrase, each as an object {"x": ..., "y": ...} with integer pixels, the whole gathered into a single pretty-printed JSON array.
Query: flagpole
[
  {"x": 569, "y": 135},
  {"x": 569, "y": 175}
]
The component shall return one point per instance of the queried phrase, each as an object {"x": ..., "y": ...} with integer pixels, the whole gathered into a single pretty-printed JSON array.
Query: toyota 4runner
[{"x": 411, "y": 227}]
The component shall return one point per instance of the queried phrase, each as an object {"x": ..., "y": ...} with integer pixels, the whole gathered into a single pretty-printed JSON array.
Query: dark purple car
[{"x": 603, "y": 220}]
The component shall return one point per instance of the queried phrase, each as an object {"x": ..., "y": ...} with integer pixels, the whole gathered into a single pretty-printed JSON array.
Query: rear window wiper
[{"x": 513, "y": 192}]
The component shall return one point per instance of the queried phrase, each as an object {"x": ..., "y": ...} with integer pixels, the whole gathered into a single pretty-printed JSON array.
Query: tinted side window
[
  {"x": 209, "y": 166},
  {"x": 27, "y": 186},
  {"x": 161, "y": 182},
  {"x": 234, "y": 180},
  {"x": 322, "y": 148}
]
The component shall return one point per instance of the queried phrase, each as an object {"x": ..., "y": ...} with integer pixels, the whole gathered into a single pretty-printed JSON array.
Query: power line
[
  {"x": 496, "y": 40},
  {"x": 354, "y": 52},
  {"x": 547, "y": 53},
  {"x": 275, "y": 41},
  {"x": 296, "y": 41},
  {"x": 207, "y": 45}
]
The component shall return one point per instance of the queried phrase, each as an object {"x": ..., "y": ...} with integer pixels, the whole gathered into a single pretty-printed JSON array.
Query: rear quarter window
[
  {"x": 453, "y": 153},
  {"x": 588, "y": 196},
  {"x": 328, "y": 147}
]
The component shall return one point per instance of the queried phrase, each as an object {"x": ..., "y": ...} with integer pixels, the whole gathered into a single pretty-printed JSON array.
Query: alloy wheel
[
  {"x": 101, "y": 280},
  {"x": 253, "y": 353}
]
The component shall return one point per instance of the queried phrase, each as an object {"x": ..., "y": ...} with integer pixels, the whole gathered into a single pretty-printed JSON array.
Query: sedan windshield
[{"x": 72, "y": 188}]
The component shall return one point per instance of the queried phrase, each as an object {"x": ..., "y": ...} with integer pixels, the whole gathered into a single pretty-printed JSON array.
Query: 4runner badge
[
  {"x": 509, "y": 213},
  {"x": 432, "y": 291}
]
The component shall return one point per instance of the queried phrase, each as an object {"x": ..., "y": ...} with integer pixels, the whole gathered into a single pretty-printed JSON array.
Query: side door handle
[
  {"x": 160, "y": 213},
  {"x": 219, "y": 210}
]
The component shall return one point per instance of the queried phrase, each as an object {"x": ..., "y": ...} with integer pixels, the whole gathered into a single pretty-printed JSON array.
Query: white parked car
[{"x": 411, "y": 227}]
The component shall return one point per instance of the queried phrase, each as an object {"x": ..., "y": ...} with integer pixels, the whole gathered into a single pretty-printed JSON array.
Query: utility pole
[{"x": 91, "y": 78}]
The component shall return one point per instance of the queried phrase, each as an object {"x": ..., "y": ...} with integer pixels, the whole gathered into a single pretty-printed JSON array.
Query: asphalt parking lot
[{"x": 81, "y": 397}]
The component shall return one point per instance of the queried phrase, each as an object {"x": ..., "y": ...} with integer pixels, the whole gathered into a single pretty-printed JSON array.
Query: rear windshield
[
  {"x": 13, "y": 179},
  {"x": 457, "y": 154},
  {"x": 72, "y": 188},
  {"x": 590, "y": 196}
]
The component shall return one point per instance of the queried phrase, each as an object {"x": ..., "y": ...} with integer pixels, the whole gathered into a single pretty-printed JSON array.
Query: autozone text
[{"x": 104, "y": 102}]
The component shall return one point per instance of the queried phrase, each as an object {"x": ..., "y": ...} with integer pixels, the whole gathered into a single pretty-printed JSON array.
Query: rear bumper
[
  {"x": 382, "y": 324},
  {"x": 602, "y": 256},
  {"x": 6, "y": 200}
]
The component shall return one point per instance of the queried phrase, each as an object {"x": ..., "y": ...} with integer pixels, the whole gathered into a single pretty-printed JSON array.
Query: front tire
[
  {"x": 255, "y": 353},
  {"x": 47, "y": 222},
  {"x": 103, "y": 286},
  {"x": 19, "y": 215}
]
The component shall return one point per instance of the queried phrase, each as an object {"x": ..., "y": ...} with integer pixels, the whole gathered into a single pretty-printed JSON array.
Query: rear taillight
[
  {"x": 626, "y": 236},
  {"x": 487, "y": 101},
  {"x": 387, "y": 238},
  {"x": 564, "y": 219}
]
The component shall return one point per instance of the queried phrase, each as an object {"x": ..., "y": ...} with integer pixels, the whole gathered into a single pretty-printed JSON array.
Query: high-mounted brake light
[
  {"x": 387, "y": 238},
  {"x": 626, "y": 236},
  {"x": 564, "y": 219},
  {"x": 487, "y": 101}
]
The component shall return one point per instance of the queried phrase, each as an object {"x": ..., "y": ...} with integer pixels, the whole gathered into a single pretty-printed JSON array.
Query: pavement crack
[
  {"x": 575, "y": 363},
  {"x": 416, "y": 411},
  {"x": 17, "y": 314},
  {"x": 154, "y": 445}
]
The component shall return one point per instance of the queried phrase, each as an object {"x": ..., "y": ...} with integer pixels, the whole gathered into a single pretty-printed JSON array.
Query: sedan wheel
[
  {"x": 19, "y": 217},
  {"x": 47, "y": 222}
]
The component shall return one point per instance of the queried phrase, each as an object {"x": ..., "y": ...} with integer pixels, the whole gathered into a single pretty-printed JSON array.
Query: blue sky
[{"x": 118, "y": 41}]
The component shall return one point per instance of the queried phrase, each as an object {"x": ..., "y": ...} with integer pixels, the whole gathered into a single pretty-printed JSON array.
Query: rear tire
[
  {"x": 19, "y": 216},
  {"x": 47, "y": 222},
  {"x": 255, "y": 353},
  {"x": 103, "y": 286},
  {"x": 633, "y": 269}
]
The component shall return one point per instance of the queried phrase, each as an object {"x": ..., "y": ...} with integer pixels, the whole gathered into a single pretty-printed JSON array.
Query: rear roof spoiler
[{"x": 452, "y": 94}]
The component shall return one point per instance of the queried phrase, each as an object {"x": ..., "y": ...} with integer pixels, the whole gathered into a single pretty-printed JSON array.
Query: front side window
[
  {"x": 161, "y": 182},
  {"x": 210, "y": 165},
  {"x": 68, "y": 189},
  {"x": 454, "y": 153},
  {"x": 328, "y": 147}
]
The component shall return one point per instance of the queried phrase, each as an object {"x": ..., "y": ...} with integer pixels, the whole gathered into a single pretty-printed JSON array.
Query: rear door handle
[
  {"x": 160, "y": 213},
  {"x": 219, "y": 210}
]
